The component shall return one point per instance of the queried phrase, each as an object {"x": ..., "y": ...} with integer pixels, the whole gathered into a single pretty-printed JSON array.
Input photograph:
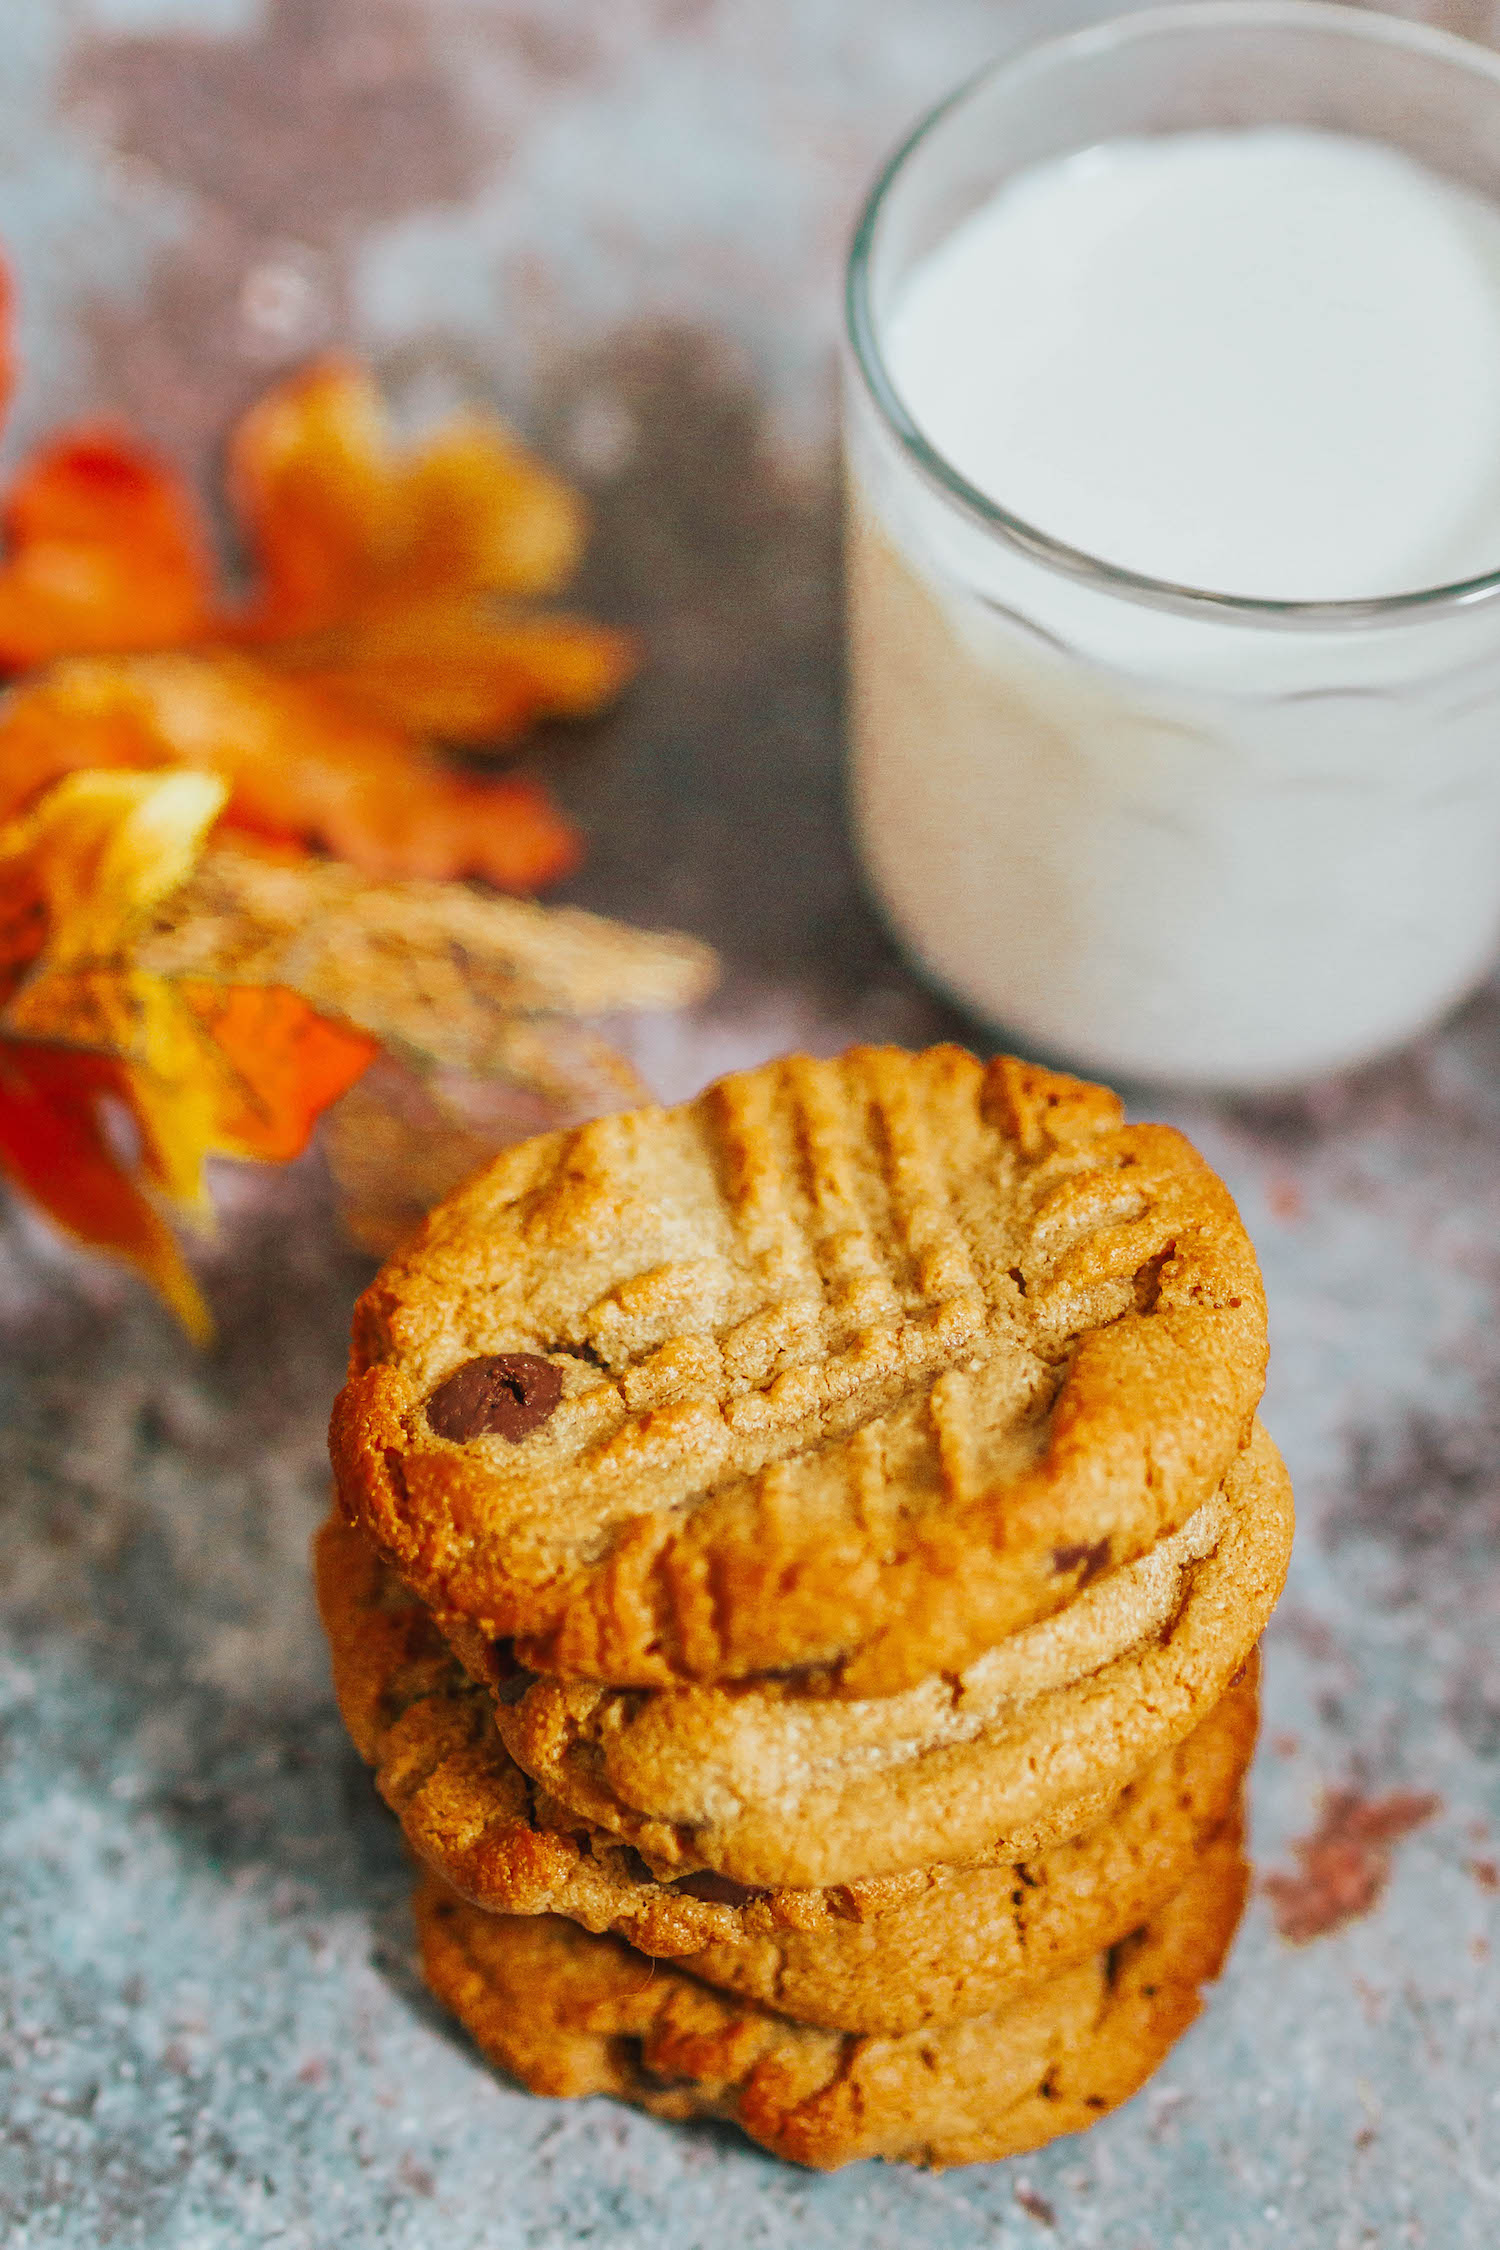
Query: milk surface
[
  {"x": 1263, "y": 363},
  {"x": 1168, "y": 844}
]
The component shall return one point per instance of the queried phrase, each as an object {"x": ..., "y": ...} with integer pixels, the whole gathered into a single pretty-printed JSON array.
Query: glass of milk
[{"x": 1173, "y": 438}]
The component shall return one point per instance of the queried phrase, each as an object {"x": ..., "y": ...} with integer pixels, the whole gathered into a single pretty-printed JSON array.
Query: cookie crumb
[
  {"x": 1035, "y": 2206},
  {"x": 416, "y": 2176}
]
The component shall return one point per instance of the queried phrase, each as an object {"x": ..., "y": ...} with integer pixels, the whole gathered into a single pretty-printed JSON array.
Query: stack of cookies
[{"x": 817, "y": 1538}]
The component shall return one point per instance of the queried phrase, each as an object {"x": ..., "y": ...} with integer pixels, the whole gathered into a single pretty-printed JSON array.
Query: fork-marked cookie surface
[{"x": 861, "y": 1364}]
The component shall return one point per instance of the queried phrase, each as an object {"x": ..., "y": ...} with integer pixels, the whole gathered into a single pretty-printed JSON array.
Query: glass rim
[{"x": 1076, "y": 562}]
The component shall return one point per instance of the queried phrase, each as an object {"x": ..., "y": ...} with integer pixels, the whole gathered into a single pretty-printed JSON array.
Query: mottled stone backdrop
[{"x": 623, "y": 221}]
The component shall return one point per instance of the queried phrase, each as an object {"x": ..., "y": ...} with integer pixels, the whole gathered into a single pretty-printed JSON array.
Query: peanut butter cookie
[
  {"x": 887, "y": 1955},
  {"x": 857, "y": 1365},
  {"x": 568, "y": 2013},
  {"x": 769, "y": 1785}
]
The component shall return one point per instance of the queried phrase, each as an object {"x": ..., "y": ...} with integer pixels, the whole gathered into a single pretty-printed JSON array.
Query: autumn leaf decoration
[
  {"x": 392, "y": 612},
  {"x": 485, "y": 1009},
  {"x": 171, "y": 991},
  {"x": 116, "y": 1084},
  {"x": 166, "y": 997}
]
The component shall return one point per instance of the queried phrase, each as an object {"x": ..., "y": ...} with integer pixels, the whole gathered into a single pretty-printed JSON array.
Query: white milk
[{"x": 1264, "y": 364}]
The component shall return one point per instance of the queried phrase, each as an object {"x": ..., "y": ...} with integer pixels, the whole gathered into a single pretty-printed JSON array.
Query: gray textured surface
[{"x": 625, "y": 223}]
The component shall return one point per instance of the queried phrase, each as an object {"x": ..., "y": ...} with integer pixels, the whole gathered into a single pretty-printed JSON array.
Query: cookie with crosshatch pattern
[
  {"x": 855, "y": 1365},
  {"x": 568, "y": 2013},
  {"x": 884, "y": 1955}
]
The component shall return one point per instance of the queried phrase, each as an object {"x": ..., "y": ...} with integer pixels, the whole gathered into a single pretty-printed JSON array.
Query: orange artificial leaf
[
  {"x": 342, "y": 524},
  {"x": 198, "y": 1068},
  {"x": 459, "y": 673},
  {"x": 287, "y": 1064},
  {"x": 213, "y": 1070},
  {"x": 301, "y": 764},
  {"x": 103, "y": 552},
  {"x": 380, "y": 571},
  {"x": 55, "y": 1149},
  {"x": 389, "y": 614}
]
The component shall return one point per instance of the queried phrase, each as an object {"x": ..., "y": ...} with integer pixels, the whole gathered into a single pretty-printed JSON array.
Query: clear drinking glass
[{"x": 1158, "y": 831}]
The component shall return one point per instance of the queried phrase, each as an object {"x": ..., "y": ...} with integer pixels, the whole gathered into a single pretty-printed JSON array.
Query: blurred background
[{"x": 623, "y": 223}]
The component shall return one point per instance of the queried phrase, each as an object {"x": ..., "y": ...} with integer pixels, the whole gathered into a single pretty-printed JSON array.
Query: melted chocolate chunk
[
  {"x": 509, "y": 1393},
  {"x": 1093, "y": 1559}
]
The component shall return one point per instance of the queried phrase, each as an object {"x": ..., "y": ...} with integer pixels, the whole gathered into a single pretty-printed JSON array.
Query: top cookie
[{"x": 854, "y": 1366}]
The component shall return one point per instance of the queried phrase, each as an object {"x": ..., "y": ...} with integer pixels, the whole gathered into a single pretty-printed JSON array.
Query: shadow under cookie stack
[{"x": 817, "y": 1538}]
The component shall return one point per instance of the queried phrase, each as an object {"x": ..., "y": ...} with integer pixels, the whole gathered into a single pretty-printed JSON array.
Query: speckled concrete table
[{"x": 625, "y": 223}]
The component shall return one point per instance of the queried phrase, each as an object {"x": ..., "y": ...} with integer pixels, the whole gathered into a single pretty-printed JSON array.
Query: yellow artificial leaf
[
  {"x": 197, "y": 1069},
  {"x": 103, "y": 849}
]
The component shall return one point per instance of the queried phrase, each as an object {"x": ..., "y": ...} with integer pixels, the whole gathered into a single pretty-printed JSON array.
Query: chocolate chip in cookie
[
  {"x": 1092, "y": 1560},
  {"x": 757, "y": 1297},
  {"x": 509, "y": 1394}
]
